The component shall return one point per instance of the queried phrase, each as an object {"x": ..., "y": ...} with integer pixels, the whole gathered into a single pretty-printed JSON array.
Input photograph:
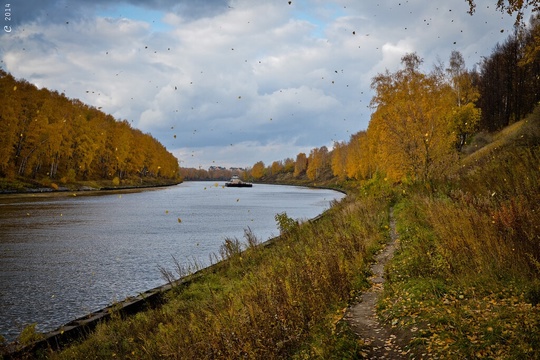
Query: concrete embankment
[{"x": 83, "y": 326}]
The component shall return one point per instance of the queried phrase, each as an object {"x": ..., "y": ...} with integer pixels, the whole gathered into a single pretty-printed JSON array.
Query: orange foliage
[{"x": 43, "y": 134}]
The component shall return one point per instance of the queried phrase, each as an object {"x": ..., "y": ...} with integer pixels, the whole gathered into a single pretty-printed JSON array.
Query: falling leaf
[{"x": 179, "y": 220}]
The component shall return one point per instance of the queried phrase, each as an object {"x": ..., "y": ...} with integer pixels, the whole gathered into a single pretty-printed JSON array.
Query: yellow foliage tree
[
  {"x": 300, "y": 165},
  {"x": 411, "y": 122},
  {"x": 277, "y": 167},
  {"x": 43, "y": 134},
  {"x": 257, "y": 171},
  {"x": 317, "y": 161},
  {"x": 358, "y": 163},
  {"x": 511, "y": 7},
  {"x": 465, "y": 116},
  {"x": 339, "y": 160}
]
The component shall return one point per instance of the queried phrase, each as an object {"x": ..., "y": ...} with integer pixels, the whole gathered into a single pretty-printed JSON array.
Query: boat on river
[{"x": 236, "y": 182}]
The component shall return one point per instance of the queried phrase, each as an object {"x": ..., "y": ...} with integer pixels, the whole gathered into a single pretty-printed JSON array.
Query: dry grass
[
  {"x": 273, "y": 302},
  {"x": 466, "y": 281}
]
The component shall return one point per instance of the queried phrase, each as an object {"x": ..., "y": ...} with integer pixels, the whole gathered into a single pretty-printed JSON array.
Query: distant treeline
[
  {"x": 423, "y": 122},
  {"x": 46, "y": 136},
  {"x": 210, "y": 174}
]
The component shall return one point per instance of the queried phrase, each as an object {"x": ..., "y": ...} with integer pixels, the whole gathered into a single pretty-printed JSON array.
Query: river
[{"x": 63, "y": 255}]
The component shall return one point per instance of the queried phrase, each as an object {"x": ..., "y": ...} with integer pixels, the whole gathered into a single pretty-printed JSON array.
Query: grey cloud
[
  {"x": 187, "y": 8},
  {"x": 255, "y": 77},
  {"x": 64, "y": 11}
]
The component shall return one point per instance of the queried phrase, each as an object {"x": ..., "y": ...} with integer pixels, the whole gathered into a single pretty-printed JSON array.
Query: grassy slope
[{"x": 466, "y": 281}]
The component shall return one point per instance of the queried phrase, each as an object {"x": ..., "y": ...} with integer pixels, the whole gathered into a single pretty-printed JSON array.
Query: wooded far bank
[
  {"x": 422, "y": 122},
  {"x": 49, "y": 140}
]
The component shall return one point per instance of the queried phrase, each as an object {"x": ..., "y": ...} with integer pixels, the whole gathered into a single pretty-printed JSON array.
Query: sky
[{"x": 233, "y": 82}]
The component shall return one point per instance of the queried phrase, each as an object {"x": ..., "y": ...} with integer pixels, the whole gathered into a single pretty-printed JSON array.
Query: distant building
[
  {"x": 222, "y": 168},
  {"x": 216, "y": 168}
]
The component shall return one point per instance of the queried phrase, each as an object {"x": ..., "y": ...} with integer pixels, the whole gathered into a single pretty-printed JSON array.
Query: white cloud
[{"x": 271, "y": 79}]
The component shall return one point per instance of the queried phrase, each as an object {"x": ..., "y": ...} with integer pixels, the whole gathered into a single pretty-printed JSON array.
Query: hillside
[
  {"x": 466, "y": 282},
  {"x": 50, "y": 141}
]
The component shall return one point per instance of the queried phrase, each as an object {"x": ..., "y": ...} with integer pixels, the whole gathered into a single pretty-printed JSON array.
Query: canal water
[{"x": 64, "y": 255}]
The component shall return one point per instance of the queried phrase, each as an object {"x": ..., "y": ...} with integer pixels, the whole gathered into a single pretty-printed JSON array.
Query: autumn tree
[
  {"x": 510, "y": 79},
  {"x": 300, "y": 164},
  {"x": 360, "y": 162},
  {"x": 339, "y": 160},
  {"x": 511, "y": 7},
  {"x": 288, "y": 165},
  {"x": 276, "y": 168},
  {"x": 257, "y": 171},
  {"x": 318, "y": 162},
  {"x": 465, "y": 117},
  {"x": 411, "y": 120},
  {"x": 44, "y": 135}
]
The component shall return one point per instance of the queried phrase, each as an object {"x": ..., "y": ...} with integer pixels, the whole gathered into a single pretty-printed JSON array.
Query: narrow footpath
[{"x": 362, "y": 317}]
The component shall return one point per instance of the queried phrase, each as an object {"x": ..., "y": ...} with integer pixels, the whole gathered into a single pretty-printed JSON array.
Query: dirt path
[{"x": 381, "y": 342}]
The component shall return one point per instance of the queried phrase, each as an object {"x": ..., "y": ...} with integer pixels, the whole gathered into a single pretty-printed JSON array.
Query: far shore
[{"x": 78, "y": 188}]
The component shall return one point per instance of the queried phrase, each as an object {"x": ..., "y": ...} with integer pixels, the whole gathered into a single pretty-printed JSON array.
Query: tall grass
[
  {"x": 466, "y": 280},
  {"x": 265, "y": 302}
]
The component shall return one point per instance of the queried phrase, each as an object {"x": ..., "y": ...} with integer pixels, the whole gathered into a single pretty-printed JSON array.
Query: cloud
[
  {"x": 249, "y": 151},
  {"x": 62, "y": 11},
  {"x": 267, "y": 77}
]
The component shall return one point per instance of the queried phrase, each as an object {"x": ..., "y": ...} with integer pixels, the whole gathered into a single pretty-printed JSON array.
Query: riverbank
[
  {"x": 268, "y": 299},
  {"x": 113, "y": 244},
  {"x": 25, "y": 187}
]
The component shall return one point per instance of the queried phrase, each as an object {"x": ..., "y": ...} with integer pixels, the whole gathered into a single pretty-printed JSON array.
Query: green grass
[
  {"x": 465, "y": 282},
  {"x": 280, "y": 301}
]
